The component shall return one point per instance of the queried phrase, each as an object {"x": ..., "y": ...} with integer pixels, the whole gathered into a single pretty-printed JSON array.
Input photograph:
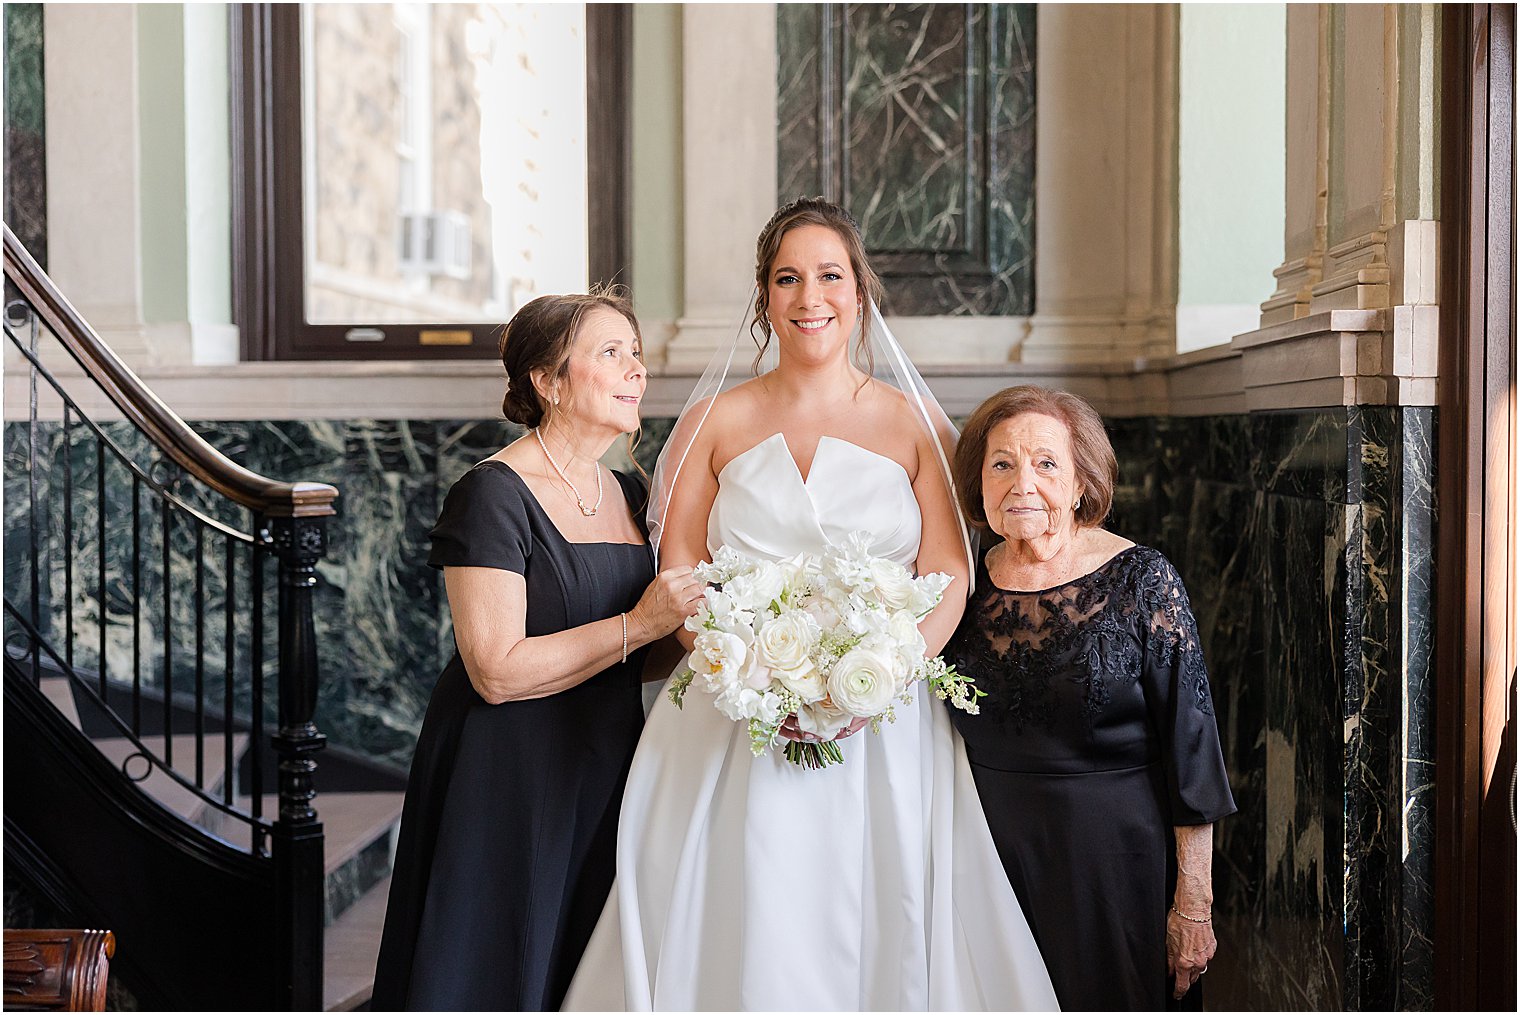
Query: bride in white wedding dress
[{"x": 747, "y": 883}]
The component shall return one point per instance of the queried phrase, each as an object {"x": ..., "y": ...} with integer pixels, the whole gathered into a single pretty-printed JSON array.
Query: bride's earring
[{"x": 1078, "y": 505}]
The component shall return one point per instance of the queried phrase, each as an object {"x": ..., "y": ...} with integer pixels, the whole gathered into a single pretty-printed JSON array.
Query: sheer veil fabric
[
  {"x": 747, "y": 883},
  {"x": 878, "y": 353}
]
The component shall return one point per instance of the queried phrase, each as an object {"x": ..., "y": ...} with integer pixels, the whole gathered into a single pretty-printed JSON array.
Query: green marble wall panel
[
  {"x": 1304, "y": 538},
  {"x": 918, "y": 118},
  {"x": 25, "y": 129}
]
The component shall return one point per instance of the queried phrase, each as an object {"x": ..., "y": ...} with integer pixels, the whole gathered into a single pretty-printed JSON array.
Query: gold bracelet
[
  {"x": 625, "y": 636},
  {"x": 1191, "y": 919}
]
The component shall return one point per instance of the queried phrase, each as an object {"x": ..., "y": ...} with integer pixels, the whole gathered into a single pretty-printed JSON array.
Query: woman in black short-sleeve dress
[{"x": 508, "y": 832}]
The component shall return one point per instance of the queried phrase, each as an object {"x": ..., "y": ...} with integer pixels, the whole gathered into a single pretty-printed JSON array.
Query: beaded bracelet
[
  {"x": 1192, "y": 919},
  {"x": 625, "y": 636}
]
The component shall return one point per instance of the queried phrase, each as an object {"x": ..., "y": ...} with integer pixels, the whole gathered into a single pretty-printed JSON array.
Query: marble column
[
  {"x": 94, "y": 219},
  {"x": 729, "y": 117},
  {"x": 1105, "y": 199}
]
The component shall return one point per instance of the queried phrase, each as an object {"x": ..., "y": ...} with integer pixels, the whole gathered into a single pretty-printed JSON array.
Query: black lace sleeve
[{"x": 1177, "y": 695}]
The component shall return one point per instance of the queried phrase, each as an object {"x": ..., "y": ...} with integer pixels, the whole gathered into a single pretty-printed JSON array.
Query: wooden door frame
[{"x": 1475, "y": 551}]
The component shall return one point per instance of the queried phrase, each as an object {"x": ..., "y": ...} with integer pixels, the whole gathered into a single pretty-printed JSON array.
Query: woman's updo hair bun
[{"x": 540, "y": 336}]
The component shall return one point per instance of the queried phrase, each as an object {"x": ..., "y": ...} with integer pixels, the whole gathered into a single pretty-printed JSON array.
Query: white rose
[
  {"x": 786, "y": 642},
  {"x": 804, "y": 681},
  {"x": 894, "y": 585},
  {"x": 822, "y": 721},
  {"x": 863, "y": 681}
]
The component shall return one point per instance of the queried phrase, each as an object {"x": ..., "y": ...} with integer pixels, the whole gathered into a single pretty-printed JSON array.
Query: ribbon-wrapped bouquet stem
[{"x": 809, "y": 650}]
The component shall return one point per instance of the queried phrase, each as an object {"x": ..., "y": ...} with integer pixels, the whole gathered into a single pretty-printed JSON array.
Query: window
[{"x": 410, "y": 174}]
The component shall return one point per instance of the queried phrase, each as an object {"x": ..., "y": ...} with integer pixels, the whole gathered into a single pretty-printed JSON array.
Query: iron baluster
[
  {"x": 256, "y": 687},
  {"x": 68, "y": 538},
  {"x": 100, "y": 548},
  {"x": 200, "y": 656},
  {"x": 136, "y": 606},
  {"x": 229, "y": 638},
  {"x": 298, "y": 544},
  {"x": 166, "y": 525},
  {"x": 31, "y": 489}
]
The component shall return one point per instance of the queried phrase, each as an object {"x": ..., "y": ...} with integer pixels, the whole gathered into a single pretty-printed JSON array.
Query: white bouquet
[{"x": 812, "y": 649}]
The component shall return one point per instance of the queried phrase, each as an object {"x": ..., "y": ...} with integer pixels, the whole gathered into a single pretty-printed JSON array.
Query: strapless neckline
[{"x": 813, "y": 470}]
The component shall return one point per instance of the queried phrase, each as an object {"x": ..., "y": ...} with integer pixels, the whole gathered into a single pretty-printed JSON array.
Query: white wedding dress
[{"x": 748, "y": 883}]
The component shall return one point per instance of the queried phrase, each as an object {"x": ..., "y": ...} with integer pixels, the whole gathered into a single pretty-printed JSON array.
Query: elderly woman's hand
[{"x": 1189, "y": 947}]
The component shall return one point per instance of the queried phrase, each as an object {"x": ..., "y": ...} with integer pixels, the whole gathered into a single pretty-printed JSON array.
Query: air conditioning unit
[{"x": 435, "y": 243}]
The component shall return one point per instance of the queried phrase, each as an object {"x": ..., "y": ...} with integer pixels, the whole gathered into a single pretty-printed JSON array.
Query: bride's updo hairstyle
[
  {"x": 811, "y": 211},
  {"x": 540, "y": 336}
]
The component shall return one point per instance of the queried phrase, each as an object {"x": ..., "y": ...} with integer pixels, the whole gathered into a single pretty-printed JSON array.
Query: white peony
[
  {"x": 718, "y": 657},
  {"x": 894, "y": 585},
  {"x": 864, "y": 681}
]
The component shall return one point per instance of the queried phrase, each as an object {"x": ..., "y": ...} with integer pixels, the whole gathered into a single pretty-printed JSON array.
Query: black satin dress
[
  {"x": 1096, "y": 737},
  {"x": 508, "y": 834}
]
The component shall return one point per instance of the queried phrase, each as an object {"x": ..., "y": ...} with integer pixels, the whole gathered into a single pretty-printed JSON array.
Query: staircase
[{"x": 162, "y": 766}]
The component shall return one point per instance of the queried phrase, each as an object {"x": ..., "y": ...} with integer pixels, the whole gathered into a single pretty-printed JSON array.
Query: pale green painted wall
[
  {"x": 185, "y": 158},
  {"x": 1230, "y": 152},
  {"x": 658, "y": 255}
]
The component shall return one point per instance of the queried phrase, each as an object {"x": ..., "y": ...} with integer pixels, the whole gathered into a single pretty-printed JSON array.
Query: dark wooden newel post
[{"x": 298, "y": 543}]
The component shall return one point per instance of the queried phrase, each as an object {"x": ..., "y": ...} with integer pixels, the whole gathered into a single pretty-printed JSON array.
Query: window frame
[{"x": 268, "y": 260}]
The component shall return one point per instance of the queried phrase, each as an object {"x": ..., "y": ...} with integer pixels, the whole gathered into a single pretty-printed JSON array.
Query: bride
[{"x": 747, "y": 883}]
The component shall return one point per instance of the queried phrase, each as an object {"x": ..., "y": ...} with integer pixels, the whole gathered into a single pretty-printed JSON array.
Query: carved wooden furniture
[{"x": 57, "y": 970}]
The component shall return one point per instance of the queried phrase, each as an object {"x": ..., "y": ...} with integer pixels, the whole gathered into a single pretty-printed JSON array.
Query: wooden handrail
[{"x": 266, "y": 497}]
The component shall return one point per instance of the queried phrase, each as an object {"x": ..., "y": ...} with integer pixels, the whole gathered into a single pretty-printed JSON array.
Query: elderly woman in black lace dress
[{"x": 1095, "y": 754}]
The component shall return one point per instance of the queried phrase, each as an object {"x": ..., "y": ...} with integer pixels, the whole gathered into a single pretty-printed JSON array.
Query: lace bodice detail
[{"x": 1093, "y": 672}]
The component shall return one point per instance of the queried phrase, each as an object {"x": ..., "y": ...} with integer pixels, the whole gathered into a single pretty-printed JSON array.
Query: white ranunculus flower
[
  {"x": 864, "y": 681},
  {"x": 787, "y": 641},
  {"x": 804, "y": 681},
  {"x": 821, "y": 720},
  {"x": 893, "y": 582}
]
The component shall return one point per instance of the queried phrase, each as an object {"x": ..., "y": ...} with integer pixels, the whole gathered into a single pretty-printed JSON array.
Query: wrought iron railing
[{"x": 136, "y": 560}]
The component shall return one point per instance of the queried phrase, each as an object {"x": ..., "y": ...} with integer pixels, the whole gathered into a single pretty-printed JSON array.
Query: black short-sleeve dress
[
  {"x": 1096, "y": 737},
  {"x": 506, "y": 849}
]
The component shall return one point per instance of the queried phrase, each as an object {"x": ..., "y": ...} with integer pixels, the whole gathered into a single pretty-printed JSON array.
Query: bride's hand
[
  {"x": 790, "y": 731},
  {"x": 673, "y": 596}
]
